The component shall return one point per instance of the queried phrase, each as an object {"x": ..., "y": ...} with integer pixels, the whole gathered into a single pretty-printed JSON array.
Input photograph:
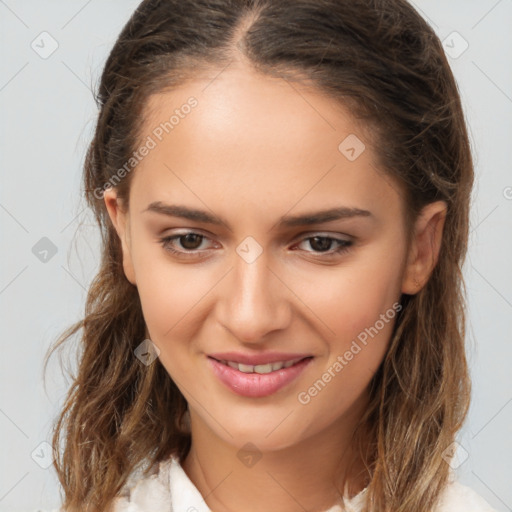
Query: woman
[{"x": 282, "y": 189}]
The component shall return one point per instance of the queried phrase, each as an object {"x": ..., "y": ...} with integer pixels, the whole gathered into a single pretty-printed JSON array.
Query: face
[{"x": 260, "y": 276}]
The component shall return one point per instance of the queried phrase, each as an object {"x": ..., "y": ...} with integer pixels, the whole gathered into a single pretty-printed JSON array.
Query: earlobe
[
  {"x": 425, "y": 247},
  {"x": 120, "y": 220}
]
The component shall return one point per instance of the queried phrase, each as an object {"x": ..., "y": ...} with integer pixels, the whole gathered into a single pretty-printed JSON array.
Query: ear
[
  {"x": 424, "y": 247},
  {"x": 120, "y": 220}
]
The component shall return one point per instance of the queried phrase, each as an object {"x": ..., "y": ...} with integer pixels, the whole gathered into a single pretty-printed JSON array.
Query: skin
[{"x": 254, "y": 149}]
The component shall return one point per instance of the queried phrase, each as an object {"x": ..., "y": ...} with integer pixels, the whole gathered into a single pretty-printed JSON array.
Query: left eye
[
  {"x": 191, "y": 242},
  {"x": 322, "y": 244}
]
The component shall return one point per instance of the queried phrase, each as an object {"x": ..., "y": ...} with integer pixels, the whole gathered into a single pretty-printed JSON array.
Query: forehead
[
  {"x": 248, "y": 106},
  {"x": 266, "y": 140}
]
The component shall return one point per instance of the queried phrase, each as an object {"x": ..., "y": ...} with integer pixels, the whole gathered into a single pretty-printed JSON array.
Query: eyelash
[{"x": 344, "y": 245}]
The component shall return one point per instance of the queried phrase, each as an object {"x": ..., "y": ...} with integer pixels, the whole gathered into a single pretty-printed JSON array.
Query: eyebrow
[{"x": 304, "y": 219}]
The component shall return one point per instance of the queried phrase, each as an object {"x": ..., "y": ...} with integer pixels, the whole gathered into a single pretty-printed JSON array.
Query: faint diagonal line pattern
[
  {"x": 12, "y": 488},
  {"x": 484, "y": 219},
  {"x": 14, "y": 76},
  {"x": 77, "y": 76},
  {"x": 287, "y": 492},
  {"x": 491, "y": 490},
  {"x": 217, "y": 486},
  {"x": 280, "y": 423},
  {"x": 497, "y": 414},
  {"x": 491, "y": 285},
  {"x": 13, "y": 279},
  {"x": 217, "y": 75},
  {"x": 14, "y": 218},
  {"x": 74, "y": 278},
  {"x": 9, "y": 8},
  {"x": 486, "y": 14},
  {"x": 76, "y": 14},
  {"x": 73, "y": 220},
  {"x": 492, "y": 81},
  {"x": 14, "y": 423},
  {"x": 316, "y": 110}
]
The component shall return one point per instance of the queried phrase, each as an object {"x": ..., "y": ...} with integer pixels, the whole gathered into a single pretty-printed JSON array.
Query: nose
[{"x": 254, "y": 301}]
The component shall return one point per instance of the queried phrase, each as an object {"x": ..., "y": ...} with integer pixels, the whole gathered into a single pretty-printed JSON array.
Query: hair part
[{"x": 383, "y": 62}]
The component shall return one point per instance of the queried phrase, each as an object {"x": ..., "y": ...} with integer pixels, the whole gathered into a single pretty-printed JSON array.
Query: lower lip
[{"x": 256, "y": 385}]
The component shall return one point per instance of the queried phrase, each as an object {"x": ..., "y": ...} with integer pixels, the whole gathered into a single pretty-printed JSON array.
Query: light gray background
[{"x": 47, "y": 117}]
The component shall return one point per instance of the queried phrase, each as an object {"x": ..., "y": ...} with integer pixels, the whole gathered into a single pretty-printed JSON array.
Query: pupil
[
  {"x": 320, "y": 246},
  {"x": 189, "y": 241}
]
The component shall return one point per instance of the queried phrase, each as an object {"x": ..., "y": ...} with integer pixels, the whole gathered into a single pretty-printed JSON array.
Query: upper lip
[{"x": 257, "y": 359}]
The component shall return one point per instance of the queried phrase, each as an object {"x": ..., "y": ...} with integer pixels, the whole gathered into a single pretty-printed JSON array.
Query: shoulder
[{"x": 457, "y": 497}]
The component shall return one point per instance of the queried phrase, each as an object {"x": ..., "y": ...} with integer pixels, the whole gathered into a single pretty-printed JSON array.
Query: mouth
[
  {"x": 257, "y": 380},
  {"x": 261, "y": 369}
]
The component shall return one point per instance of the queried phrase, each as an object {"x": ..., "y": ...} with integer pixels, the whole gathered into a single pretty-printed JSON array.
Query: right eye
[{"x": 189, "y": 241}]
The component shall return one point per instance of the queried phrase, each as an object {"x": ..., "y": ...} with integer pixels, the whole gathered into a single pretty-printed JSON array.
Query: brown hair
[{"x": 383, "y": 61}]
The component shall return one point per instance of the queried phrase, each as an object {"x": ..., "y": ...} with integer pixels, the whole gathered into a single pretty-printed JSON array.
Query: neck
[{"x": 309, "y": 476}]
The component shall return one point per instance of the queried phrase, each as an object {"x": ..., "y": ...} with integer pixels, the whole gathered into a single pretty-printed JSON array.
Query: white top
[{"x": 169, "y": 489}]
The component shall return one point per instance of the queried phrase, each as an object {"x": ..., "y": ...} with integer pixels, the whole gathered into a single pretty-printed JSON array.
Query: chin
[{"x": 268, "y": 432}]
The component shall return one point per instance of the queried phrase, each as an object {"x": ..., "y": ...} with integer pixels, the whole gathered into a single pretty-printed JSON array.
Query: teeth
[
  {"x": 263, "y": 368},
  {"x": 260, "y": 368}
]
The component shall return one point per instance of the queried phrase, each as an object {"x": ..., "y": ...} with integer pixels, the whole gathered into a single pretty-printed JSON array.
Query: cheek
[
  {"x": 173, "y": 313},
  {"x": 359, "y": 304},
  {"x": 362, "y": 319},
  {"x": 353, "y": 299},
  {"x": 170, "y": 294}
]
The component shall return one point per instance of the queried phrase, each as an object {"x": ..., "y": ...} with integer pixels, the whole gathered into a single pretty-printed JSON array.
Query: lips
[{"x": 257, "y": 375}]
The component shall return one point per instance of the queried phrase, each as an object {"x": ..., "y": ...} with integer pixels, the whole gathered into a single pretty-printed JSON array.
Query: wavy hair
[{"x": 383, "y": 61}]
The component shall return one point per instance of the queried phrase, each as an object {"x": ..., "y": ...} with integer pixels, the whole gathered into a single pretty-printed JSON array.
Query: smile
[{"x": 257, "y": 380}]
